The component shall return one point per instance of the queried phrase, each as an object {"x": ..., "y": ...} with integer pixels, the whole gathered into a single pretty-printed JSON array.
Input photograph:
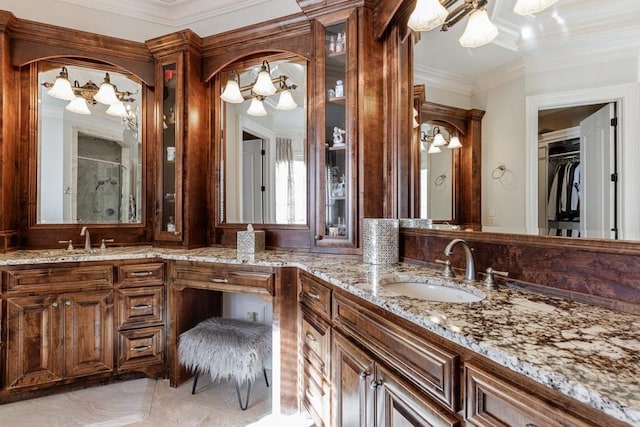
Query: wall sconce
[
  {"x": 437, "y": 140},
  {"x": 429, "y": 14},
  {"x": 263, "y": 86},
  {"x": 79, "y": 96}
]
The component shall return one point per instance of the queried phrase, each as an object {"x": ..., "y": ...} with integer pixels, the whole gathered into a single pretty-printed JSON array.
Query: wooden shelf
[{"x": 337, "y": 99}]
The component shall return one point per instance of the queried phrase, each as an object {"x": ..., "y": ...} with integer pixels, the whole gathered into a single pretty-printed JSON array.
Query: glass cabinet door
[
  {"x": 336, "y": 217},
  {"x": 169, "y": 213}
]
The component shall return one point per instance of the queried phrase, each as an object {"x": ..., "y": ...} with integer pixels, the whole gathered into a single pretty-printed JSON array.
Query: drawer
[
  {"x": 59, "y": 279},
  {"x": 492, "y": 400},
  {"x": 221, "y": 277},
  {"x": 137, "y": 275},
  {"x": 315, "y": 337},
  {"x": 140, "y": 306},
  {"x": 316, "y": 398},
  {"x": 425, "y": 364},
  {"x": 140, "y": 347},
  {"x": 315, "y": 295}
]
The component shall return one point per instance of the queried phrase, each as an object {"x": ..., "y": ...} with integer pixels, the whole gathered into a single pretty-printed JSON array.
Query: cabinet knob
[
  {"x": 311, "y": 337},
  {"x": 364, "y": 375},
  {"x": 374, "y": 384},
  {"x": 67, "y": 302},
  {"x": 318, "y": 237},
  {"x": 55, "y": 304}
]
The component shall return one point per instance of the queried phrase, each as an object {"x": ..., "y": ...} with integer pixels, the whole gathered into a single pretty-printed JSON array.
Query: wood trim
[{"x": 33, "y": 41}]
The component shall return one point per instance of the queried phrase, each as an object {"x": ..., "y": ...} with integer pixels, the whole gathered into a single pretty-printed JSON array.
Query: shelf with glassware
[
  {"x": 169, "y": 203},
  {"x": 336, "y": 207}
]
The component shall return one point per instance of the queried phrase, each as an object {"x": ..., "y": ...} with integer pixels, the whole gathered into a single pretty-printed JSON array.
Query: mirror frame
[
  {"x": 281, "y": 235},
  {"x": 467, "y": 186},
  {"x": 37, "y": 235}
]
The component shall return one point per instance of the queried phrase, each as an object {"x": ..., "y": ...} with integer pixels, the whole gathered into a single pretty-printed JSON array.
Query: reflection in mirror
[
  {"x": 265, "y": 170},
  {"x": 436, "y": 172},
  {"x": 536, "y": 64},
  {"x": 89, "y": 153}
]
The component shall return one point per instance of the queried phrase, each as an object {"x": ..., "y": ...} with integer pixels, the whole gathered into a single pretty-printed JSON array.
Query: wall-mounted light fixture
[
  {"x": 435, "y": 140},
  {"x": 263, "y": 86},
  {"x": 430, "y": 14},
  {"x": 79, "y": 96}
]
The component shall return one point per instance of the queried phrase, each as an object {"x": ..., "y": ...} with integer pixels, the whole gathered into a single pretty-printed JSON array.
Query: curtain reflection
[{"x": 285, "y": 184}]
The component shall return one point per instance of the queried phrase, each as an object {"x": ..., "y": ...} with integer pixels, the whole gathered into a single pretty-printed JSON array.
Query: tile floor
[{"x": 146, "y": 403}]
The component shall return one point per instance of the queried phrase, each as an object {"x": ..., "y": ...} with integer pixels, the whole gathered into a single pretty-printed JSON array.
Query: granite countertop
[{"x": 587, "y": 352}]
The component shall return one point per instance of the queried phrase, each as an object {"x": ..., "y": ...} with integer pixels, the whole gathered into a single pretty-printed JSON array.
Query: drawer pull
[
  {"x": 218, "y": 280},
  {"x": 142, "y": 273},
  {"x": 374, "y": 384},
  {"x": 313, "y": 296},
  {"x": 311, "y": 338},
  {"x": 364, "y": 375},
  {"x": 140, "y": 348},
  {"x": 141, "y": 306}
]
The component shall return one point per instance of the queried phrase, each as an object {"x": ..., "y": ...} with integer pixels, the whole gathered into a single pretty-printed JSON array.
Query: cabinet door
[
  {"x": 336, "y": 219},
  {"x": 33, "y": 347},
  {"x": 88, "y": 332},
  {"x": 353, "y": 393},
  {"x": 398, "y": 404},
  {"x": 169, "y": 193}
]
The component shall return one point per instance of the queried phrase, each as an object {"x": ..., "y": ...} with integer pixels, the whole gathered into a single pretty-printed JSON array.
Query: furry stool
[{"x": 228, "y": 349}]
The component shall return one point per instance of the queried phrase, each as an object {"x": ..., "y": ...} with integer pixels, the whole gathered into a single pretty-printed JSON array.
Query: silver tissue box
[
  {"x": 380, "y": 240},
  {"x": 250, "y": 241}
]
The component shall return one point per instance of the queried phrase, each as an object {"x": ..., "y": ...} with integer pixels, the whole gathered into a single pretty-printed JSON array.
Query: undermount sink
[{"x": 431, "y": 292}]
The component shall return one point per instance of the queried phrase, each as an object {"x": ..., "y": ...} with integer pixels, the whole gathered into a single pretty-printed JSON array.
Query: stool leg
[
  {"x": 246, "y": 403},
  {"x": 266, "y": 380},
  {"x": 195, "y": 381}
]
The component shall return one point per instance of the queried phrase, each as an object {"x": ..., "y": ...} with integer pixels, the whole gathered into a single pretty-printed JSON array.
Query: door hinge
[
  {"x": 263, "y": 188},
  {"x": 614, "y": 177},
  {"x": 263, "y": 152},
  {"x": 614, "y": 121}
]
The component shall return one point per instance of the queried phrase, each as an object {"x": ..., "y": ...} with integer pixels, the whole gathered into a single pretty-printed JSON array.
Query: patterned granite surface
[{"x": 589, "y": 353}]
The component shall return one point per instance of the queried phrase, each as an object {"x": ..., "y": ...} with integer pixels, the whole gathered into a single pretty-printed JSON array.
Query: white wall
[{"x": 504, "y": 128}]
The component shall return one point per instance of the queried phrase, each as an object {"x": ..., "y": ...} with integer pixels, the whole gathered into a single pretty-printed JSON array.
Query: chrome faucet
[
  {"x": 470, "y": 273},
  {"x": 87, "y": 238}
]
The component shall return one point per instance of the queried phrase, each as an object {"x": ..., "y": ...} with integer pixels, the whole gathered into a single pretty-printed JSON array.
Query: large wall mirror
[
  {"x": 560, "y": 59},
  {"x": 89, "y": 167},
  {"x": 264, "y": 173}
]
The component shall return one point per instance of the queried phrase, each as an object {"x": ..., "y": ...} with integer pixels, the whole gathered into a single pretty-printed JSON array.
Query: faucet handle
[
  {"x": 69, "y": 244},
  {"x": 103, "y": 243},
  {"x": 489, "y": 281},
  {"x": 448, "y": 272}
]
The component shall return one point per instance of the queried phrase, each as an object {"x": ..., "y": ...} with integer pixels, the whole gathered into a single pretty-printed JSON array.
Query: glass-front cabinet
[
  {"x": 336, "y": 219},
  {"x": 169, "y": 200}
]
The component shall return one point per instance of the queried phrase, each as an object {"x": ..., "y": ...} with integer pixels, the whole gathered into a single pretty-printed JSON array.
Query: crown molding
[{"x": 443, "y": 80}]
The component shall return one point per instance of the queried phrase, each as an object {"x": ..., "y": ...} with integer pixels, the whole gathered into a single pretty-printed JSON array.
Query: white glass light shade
[
  {"x": 479, "y": 31},
  {"x": 529, "y": 7},
  {"x": 434, "y": 149},
  {"x": 78, "y": 105},
  {"x": 61, "y": 88},
  {"x": 263, "y": 85},
  {"x": 427, "y": 15},
  {"x": 118, "y": 109},
  {"x": 107, "y": 93},
  {"x": 256, "y": 108},
  {"x": 232, "y": 93},
  {"x": 286, "y": 101},
  {"x": 438, "y": 140},
  {"x": 455, "y": 143}
]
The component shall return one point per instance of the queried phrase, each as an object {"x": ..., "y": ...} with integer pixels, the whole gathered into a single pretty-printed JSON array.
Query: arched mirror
[
  {"x": 89, "y": 167},
  {"x": 263, "y": 175}
]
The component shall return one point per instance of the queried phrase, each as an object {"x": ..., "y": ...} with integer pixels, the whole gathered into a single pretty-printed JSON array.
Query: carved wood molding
[
  {"x": 180, "y": 41},
  {"x": 315, "y": 9}
]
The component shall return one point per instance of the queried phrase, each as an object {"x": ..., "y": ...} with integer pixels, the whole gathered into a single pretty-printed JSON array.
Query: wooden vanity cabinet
[
  {"x": 140, "y": 318},
  {"x": 59, "y": 324},
  {"x": 314, "y": 299}
]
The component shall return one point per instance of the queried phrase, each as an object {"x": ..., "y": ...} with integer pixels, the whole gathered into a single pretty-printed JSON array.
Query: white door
[
  {"x": 597, "y": 202},
  {"x": 252, "y": 179}
]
